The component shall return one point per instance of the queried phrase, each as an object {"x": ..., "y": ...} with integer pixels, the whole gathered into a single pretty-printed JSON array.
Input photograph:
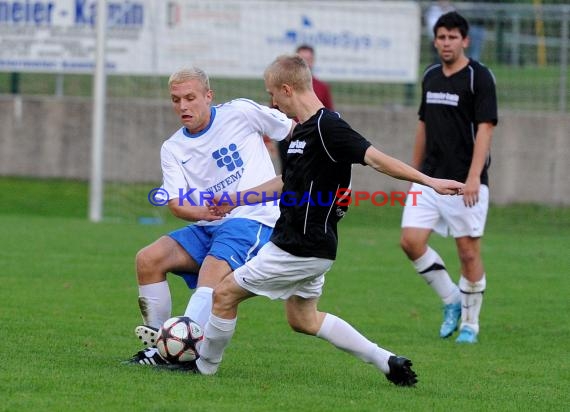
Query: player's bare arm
[
  {"x": 395, "y": 168},
  {"x": 480, "y": 155},
  {"x": 419, "y": 150}
]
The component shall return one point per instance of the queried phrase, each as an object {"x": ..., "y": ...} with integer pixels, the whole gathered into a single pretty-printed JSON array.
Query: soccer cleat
[
  {"x": 148, "y": 356},
  {"x": 466, "y": 335},
  {"x": 451, "y": 317},
  {"x": 147, "y": 335},
  {"x": 401, "y": 373},
  {"x": 188, "y": 367}
]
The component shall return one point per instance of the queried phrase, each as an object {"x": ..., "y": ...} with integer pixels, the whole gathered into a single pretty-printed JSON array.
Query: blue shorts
[{"x": 235, "y": 241}]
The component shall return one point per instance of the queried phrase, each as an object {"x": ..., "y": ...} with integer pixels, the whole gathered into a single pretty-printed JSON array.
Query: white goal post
[{"x": 98, "y": 129}]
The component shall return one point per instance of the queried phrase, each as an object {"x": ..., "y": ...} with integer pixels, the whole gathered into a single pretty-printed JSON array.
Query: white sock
[
  {"x": 430, "y": 266},
  {"x": 471, "y": 301},
  {"x": 217, "y": 335},
  {"x": 342, "y": 335},
  {"x": 155, "y": 303},
  {"x": 200, "y": 305}
]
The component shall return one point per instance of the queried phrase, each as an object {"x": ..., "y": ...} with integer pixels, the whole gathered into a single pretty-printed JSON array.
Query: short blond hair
[
  {"x": 291, "y": 70},
  {"x": 191, "y": 73}
]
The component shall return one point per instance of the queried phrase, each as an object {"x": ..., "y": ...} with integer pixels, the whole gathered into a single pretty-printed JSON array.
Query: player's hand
[
  {"x": 447, "y": 187},
  {"x": 220, "y": 210},
  {"x": 471, "y": 192},
  {"x": 221, "y": 207},
  {"x": 209, "y": 215}
]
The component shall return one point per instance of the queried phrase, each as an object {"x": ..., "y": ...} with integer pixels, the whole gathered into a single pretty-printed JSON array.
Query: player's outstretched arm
[
  {"x": 391, "y": 166},
  {"x": 267, "y": 191}
]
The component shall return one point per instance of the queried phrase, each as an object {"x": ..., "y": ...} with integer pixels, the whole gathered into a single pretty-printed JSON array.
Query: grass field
[{"x": 68, "y": 296}]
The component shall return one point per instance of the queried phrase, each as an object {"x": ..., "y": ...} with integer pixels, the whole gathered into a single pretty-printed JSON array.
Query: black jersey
[
  {"x": 451, "y": 109},
  {"x": 319, "y": 162}
]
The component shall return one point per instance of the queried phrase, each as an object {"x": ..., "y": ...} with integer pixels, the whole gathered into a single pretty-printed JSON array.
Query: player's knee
[
  {"x": 404, "y": 243},
  {"x": 302, "y": 325},
  {"x": 146, "y": 265},
  {"x": 223, "y": 301},
  {"x": 468, "y": 257},
  {"x": 299, "y": 327},
  {"x": 408, "y": 246},
  {"x": 211, "y": 278},
  {"x": 141, "y": 261}
]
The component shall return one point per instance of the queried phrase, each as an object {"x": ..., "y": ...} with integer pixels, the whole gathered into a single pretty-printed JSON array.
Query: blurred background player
[
  {"x": 218, "y": 149},
  {"x": 321, "y": 89},
  {"x": 457, "y": 116}
]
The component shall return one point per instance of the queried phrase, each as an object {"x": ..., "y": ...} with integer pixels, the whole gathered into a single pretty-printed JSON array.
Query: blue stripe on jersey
[{"x": 200, "y": 133}]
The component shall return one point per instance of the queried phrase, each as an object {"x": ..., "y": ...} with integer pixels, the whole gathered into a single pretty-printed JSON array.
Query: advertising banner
[{"x": 354, "y": 40}]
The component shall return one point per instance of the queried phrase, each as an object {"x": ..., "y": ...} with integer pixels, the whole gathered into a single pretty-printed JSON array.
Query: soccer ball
[{"x": 177, "y": 339}]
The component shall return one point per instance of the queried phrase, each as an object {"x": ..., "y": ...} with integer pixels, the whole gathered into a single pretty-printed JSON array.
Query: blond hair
[
  {"x": 192, "y": 73},
  {"x": 291, "y": 70}
]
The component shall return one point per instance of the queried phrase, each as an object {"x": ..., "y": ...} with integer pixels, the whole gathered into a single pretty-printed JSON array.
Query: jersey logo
[
  {"x": 228, "y": 157},
  {"x": 297, "y": 146},
  {"x": 448, "y": 99}
]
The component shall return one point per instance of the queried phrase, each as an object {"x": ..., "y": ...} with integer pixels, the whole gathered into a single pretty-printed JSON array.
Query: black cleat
[
  {"x": 148, "y": 356},
  {"x": 187, "y": 367},
  {"x": 401, "y": 373},
  {"x": 151, "y": 357}
]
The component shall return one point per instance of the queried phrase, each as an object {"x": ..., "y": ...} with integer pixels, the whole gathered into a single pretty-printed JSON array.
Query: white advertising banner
[{"x": 354, "y": 40}]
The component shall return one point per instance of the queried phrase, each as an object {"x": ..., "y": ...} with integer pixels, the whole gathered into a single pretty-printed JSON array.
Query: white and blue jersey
[{"x": 228, "y": 156}]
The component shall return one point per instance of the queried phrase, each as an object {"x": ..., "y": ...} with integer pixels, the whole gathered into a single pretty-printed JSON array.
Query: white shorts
[
  {"x": 279, "y": 275},
  {"x": 445, "y": 214}
]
